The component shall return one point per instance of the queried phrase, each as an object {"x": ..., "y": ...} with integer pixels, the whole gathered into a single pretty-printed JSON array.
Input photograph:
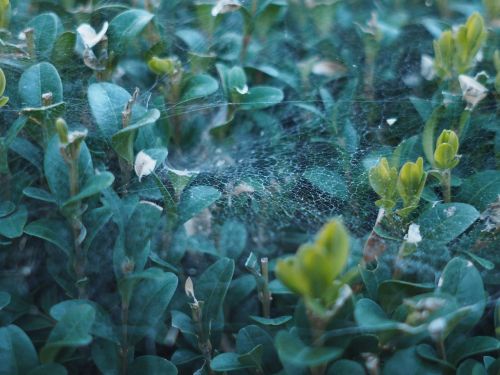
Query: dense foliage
[{"x": 249, "y": 187}]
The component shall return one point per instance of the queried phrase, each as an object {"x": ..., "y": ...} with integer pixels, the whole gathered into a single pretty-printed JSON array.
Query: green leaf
[
  {"x": 12, "y": 226},
  {"x": 38, "y": 80},
  {"x": 64, "y": 47},
  {"x": 248, "y": 340},
  {"x": 94, "y": 185},
  {"x": 445, "y": 222},
  {"x": 369, "y": 315},
  {"x": 292, "y": 349},
  {"x": 102, "y": 327},
  {"x": 327, "y": 181},
  {"x": 49, "y": 369},
  {"x": 480, "y": 189},
  {"x": 39, "y": 194},
  {"x": 47, "y": 27},
  {"x": 346, "y": 367},
  {"x": 149, "y": 302},
  {"x": 152, "y": 365},
  {"x": 260, "y": 97},
  {"x": 462, "y": 280},
  {"x": 17, "y": 353},
  {"x": 106, "y": 356},
  {"x": 139, "y": 230},
  {"x": 471, "y": 367},
  {"x": 471, "y": 346},
  {"x": 408, "y": 360},
  {"x": 54, "y": 231},
  {"x": 57, "y": 171},
  {"x": 198, "y": 86},
  {"x": 278, "y": 321},
  {"x": 233, "y": 238},
  {"x": 107, "y": 102},
  {"x": 211, "y": 288},
  {"x": 4, "y": 299},
  {"x": 123, "y": 140},
  {"x": 71, "y": 331},
  {"x": 391, "y": 293},
  {"x": 196, "y": 199},
  {"x": 228, "y": 362},
  {"x": 126, "y": 27}
]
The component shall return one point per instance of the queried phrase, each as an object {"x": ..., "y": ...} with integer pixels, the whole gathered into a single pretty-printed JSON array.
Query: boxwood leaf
[
  {"x": 198, "y": 86},
  {"x": 346, "y": 367},
  {"x": 107, "y": 102},
  {"x": 152, "y": 365},
  {"x": 4, "y": 299},
  {"x": 233, "y": 238},
  {"x": 102, "y": 327},
  {"x": 327, "y": 181},
  {"x": 471, "y": 346},
  {"x": 480, "y": 189},
  {"x": 57, "y": 172},
  {"x": 138, "y": 231},
  {"x": 12, "y": 226},
  {"x": 123, "y": 140},
  {"x": 211, "y": 288},
  {"x": 71, "y": 331},
  {"x": 445, "y": 222},
  {"x": 227, "y": 362},
  {"x": 463, "y": 281},
  {"x": 195, "y": 200},
  {"x": 260, "y": 97},
  {"x": 126, "y": 27},
  {"x": 17, "y": 353},
  {"x": 149, "y": 301},
  {"x": 54, "y": 231},
  {"x": 47, "y": 27},
  {"x": 291, "y": 349},
  {"x": 93, "y": 186},
  {"x": 49, "y": 369},
  {"x": 38, "y": 80}
]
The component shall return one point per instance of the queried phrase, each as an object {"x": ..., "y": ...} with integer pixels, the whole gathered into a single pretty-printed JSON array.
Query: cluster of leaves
[{"x": 115, "y": 262}]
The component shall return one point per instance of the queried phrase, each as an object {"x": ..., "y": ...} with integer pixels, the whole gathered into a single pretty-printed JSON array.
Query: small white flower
[
  {"x": 89, "y": 36},
  {"x": 391, "y": 121},
  {"x": 76, "y": 134},
  {"x": 436, "y": 328},
  {"x": 472, "y": 91},
  {"x": 225, "y": 6},
  {"x": 144, "y": 165},
  {"x": 243, "y": 90},
  {"x": 427, "y": 67},
  {"x": 413, "y": 236}
]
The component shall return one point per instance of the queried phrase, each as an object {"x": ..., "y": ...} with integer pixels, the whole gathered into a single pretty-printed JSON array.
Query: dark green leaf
[
  {"x": 260, "y": 98},
  {"x": 327, "y": 181},
  {"x": 445, "y": 222},
  {"x": 195, "y": 200},
  {"x": 198, "y": 86},
  {"x": 71, "y": 331},
  {"x": 38, "y": 80},
  {"x": 47, "y": 27},
  {"x": 152, "y": 365},
  {"x": 12, "y": 226},
  {"x": 17, "y": 353},
  {"x": 126, "y": 27},
  {"x": 480, "y": 189},
  {"x": 52, "y": 230}
]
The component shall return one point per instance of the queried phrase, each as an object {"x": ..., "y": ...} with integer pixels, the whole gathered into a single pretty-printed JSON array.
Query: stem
[
  {"x": 441, "y": 349},
  {"x": 464, "y": 121},
  {"x": 247, "y": 37},
  {"x": 124, "y": 352},
  {"x": 374, "y": 245},
  {"x": 318, "y": 325},
  {"x": 266, "y": 295},
  {"x": 446, "y": 185}
]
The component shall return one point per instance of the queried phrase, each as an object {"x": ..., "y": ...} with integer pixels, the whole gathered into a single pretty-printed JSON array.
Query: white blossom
[
  {"x": 427, "y": 67},
  {"x": 89, "y": 36},
  {"x": 225, "y": 6},
  {"x": 472, "y": 91},
  {"x": 144, "y": 165},
  {"x": 413, "y": 236}
]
